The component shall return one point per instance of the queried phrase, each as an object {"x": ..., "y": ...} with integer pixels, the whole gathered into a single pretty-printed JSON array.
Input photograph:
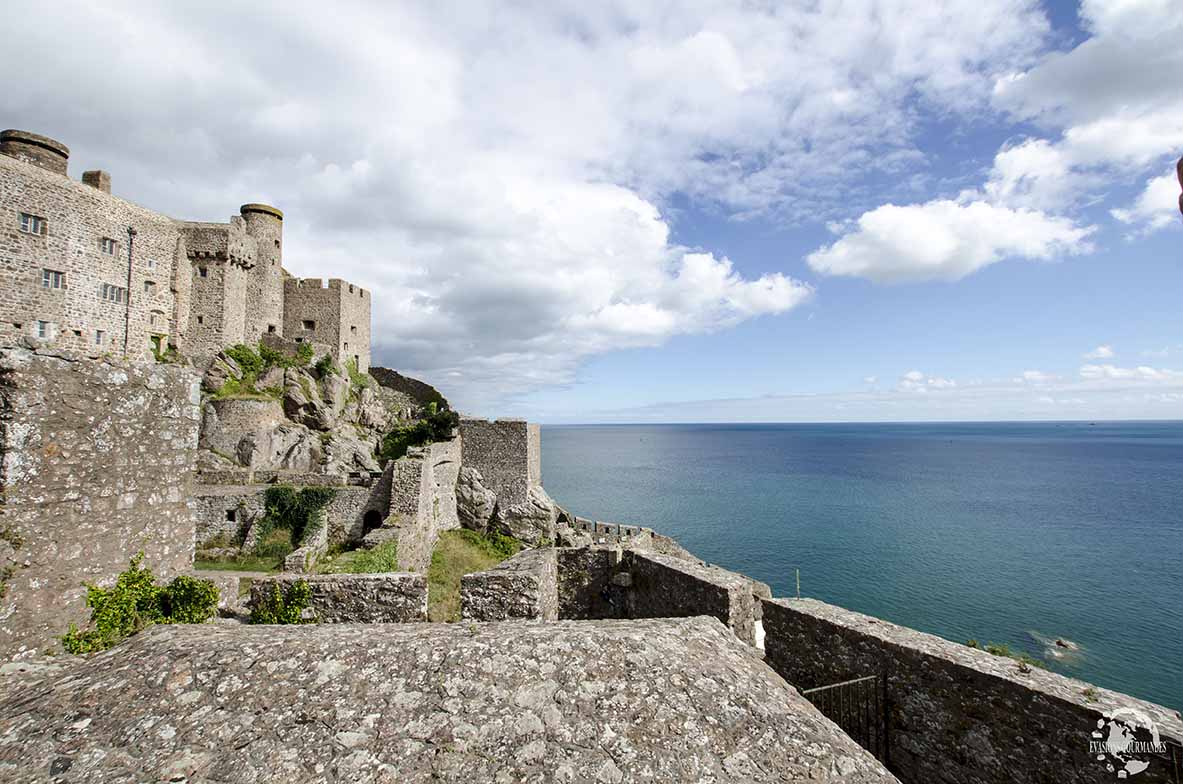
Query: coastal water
[{"x": 1013, "y": 533}]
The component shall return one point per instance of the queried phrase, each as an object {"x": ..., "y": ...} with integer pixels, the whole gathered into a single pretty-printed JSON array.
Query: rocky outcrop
[
  {"x": 607, "y": 701},
  {"x": 480, "y": 509},
  {"x": 475, "y": 503},
  {"x": 299, "y": 418},
  {"x": 532, "y": 521}
]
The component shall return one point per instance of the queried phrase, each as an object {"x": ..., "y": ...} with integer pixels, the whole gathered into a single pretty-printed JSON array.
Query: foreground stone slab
[{"x": 593, "y": 701}]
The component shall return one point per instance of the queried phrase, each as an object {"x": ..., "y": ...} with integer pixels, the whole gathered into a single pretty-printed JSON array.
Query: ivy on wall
[{"x": 300, "y": 512}]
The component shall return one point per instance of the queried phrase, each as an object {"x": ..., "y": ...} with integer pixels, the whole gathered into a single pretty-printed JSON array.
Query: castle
[{"x": 83, "y": 270}]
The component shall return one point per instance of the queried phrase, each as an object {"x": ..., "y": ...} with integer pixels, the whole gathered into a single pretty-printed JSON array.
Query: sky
[{"x": 833, "y": 210}]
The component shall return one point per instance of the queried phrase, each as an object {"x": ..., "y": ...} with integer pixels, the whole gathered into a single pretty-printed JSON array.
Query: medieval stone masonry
[{"x": 83, "y": 270}]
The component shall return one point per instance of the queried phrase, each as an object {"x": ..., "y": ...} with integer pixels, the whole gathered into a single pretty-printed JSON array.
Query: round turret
[
  {"x": 248, "y": 210},
  {"x": 264, "y": 315},
  {"x": 36, "y": 149}
]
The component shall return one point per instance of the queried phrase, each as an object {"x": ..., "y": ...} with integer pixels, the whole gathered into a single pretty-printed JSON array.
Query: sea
[{"x": 1005, "y": 533}]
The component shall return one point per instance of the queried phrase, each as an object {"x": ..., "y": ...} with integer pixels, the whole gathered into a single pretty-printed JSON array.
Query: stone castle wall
[
  {"x": 227, "y": 422},
  {"x": 96, "y": 464},
  {"x": 72, "y": 311},
  {"x": 334, "y": 313},
  {"x": 955, "y": 713},
  {"x": 197, "y": 286},
  {"x": 507, "y": 453}
]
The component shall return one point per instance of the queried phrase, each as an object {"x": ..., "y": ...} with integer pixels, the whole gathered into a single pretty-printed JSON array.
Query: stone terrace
[{"x": 605, "y": 701}]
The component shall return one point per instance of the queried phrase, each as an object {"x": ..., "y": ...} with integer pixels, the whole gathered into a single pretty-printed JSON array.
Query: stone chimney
[
  {"x": 35, "y": 149},
  {"x": 98, "y": 179}
]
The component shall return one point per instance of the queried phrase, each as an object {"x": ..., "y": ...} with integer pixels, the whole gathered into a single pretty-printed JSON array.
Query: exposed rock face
[
  {"x": 609, "y": 701},
  {"x": 532, "y": 521},
  {"x": 475, "y": 503},
  {"x": 322, "y": 422}
]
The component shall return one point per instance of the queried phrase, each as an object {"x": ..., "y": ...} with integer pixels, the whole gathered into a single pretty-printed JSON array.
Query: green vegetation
[
  {"x": 436, "y": 426},
  {"x": 1090, "y": 694},
  {"x": 458, "y": 553},
  {"x": 325, "y": 366},
  {"x": 383, "y": 558},
  {"x": 254, "y": 362},
  {"x": 167, "y": 355},
  {"x": 300, "y": 512},
  {"x": 136, "y": 602},
  {"x": 1002, "y": 649},
  {"x": 283, "y": 606}
]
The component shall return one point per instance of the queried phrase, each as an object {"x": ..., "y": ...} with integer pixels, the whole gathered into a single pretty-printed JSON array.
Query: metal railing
[{"x": 859, "y": 708}]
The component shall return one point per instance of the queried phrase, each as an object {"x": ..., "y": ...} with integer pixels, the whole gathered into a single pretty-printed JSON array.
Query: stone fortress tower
[{"x": 84, "y": 270}]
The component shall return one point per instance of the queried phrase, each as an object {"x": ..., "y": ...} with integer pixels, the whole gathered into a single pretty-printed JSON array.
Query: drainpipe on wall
[{"x": 131, "y": 236}]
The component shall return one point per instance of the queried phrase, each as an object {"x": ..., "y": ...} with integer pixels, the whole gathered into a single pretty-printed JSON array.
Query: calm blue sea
[{"x": 1007, "y": 533}]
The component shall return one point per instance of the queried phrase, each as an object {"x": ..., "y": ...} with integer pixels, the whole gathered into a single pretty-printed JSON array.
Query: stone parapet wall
[
  {"x": 393, "y": 597},
  {"x": 423, "y": 500},
  {"x": 96, "y": 464},
  {"x": 344, "y": 515},
  {"x": 522, "y": 587},
  {"x": 585, "y": 587},
  {"x": 956, "y": 714},
  {"x": 664, "y": 586},
  {"x": 506, "y": 452}
]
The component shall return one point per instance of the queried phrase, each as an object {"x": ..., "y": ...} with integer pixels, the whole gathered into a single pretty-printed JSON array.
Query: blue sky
[{"x": 702, "y": 211}]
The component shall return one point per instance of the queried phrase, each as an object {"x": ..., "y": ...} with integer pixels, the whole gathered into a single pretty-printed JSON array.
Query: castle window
[
  {"x": 353, "y": 330},
  {"x": 271, "y": 328},
  {"x": 201, "y": 319},
  {"x": 52, "y": 279},
  {"x": 230, "y": 515},
  {"x": 32, "y": 224},
  {"x": 151, "y": 263},
  {"x": 149, "y": 288},
  {"x": 203, "y": 272},
  {"x": 77, "y": 333},
  {"x": 107, "y": 245},
  {"x": 155, "y": 318},
  {"x": 99, "y": 335},
  {"x": 44, "y": 329},
  {"x": 309, "y": 324},
  {"x": 113, "y": 293},
  {"x": 346, "y": 346}
]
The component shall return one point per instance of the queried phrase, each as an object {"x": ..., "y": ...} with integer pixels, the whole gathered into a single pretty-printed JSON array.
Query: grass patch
[
  {"x": 383, "y": 558},
  {"x": 267, "y": 556},
  {"x": 1002, "y": 649},
  {"x": 458, "y": 553}
]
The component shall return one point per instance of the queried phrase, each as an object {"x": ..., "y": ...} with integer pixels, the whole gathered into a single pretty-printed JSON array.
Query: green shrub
[
  {"x": 283, "y": 606},
  {"x": 189, "y": 600},
  {"x": 301, "y": 512},
  {"x": 437, "y": 425},
  {"x": 1002, "y": 649},
  {"x": 136, "y": 602},
  {"x": 247, "y": 358},
  {"x": 304, "y": 354},
  {"x": 356, "y": 377},
  {"x": 325, "y": 365}
]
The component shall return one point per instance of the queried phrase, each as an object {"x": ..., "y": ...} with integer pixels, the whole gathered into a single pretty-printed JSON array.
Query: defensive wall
[
  {"x": 955, "y": 713},
  {"x": 393, "y": 597},
  {"x": 507, "y": 452},
  {"x": 96, "y": 464},
  {"x": 334, "y": 313}
]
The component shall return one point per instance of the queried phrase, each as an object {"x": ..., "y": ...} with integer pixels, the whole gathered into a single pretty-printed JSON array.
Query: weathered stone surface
[
  {"x": 585, "y": 584},
  {"x": 392, "y": 597},
  {"x": 532, "y": 521},
  {"x": 96, "y": 464},
  {"x": 957, "y": 714},
  {"x": 222, "y": 368},
  {"x": 663, "y": 700},
  {"x": 523, "y": 587},
  {"x": 667, "y": 586},
  {"x": 508, "y": 455},
  {"x": 474, "y": 502},
  {"x": 348, "y": 450}
]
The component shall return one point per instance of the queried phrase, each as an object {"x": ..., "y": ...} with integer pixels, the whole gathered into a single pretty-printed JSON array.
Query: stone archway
[{"x": 371, "y": 520}]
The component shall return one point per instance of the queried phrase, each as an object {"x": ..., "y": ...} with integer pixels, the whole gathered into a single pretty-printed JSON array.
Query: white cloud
[
  {"x": 1117, "y": 102},
  {"x": 915, "y": 381},
  {"x": 1100, "y": 352},
  {"x": 1156, "y": 208},
  {"x": 1035, "y": 377},
  {"x": 945, "y": 240},
  {"x": 1140, "y": 373},
  {"x": 500, "y": 174}
]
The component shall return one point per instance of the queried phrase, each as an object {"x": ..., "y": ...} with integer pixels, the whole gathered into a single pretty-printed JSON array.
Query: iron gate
[{"x": 859, "y": 707}]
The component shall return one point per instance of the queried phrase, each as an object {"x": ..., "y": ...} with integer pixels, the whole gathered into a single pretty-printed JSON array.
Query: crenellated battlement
[{"x": 125, "y": 279}]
